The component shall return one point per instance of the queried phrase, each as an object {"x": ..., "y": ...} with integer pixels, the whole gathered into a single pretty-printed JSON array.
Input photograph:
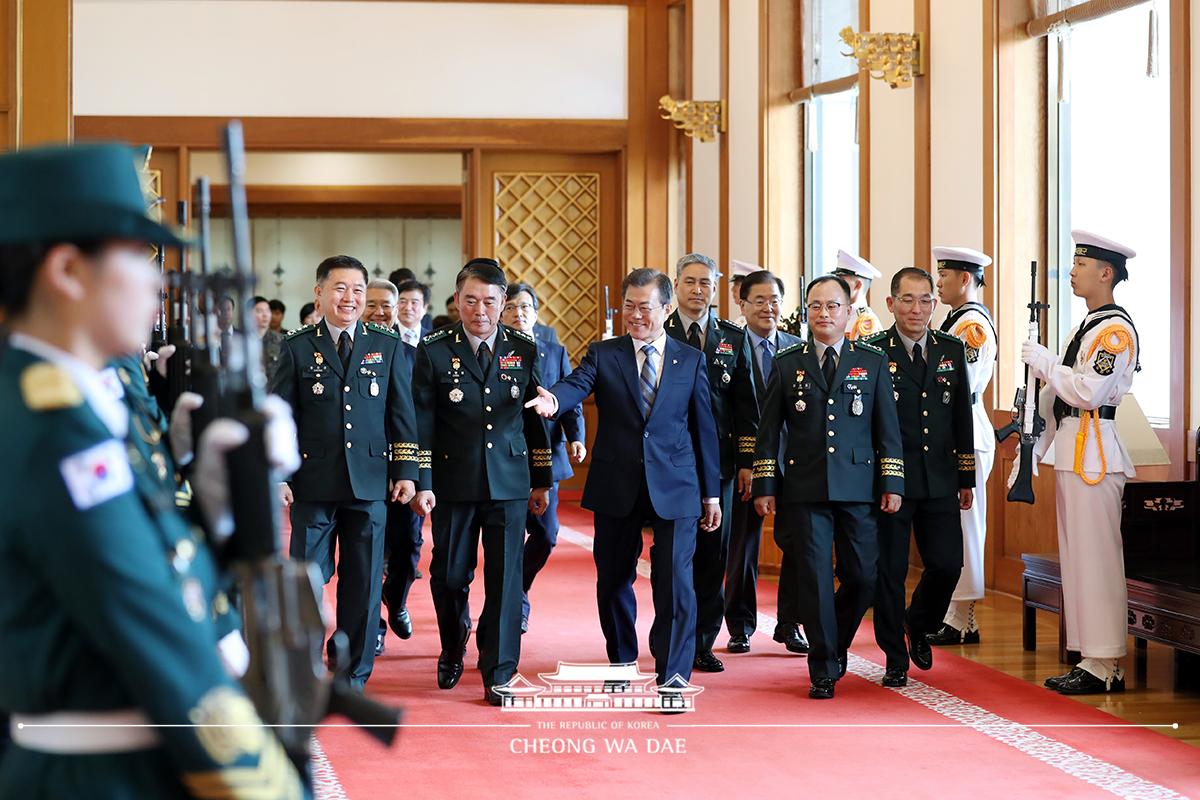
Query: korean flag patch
[
  {"x": 1105, "y": 362},
  {"x": 97, "y": 474}
]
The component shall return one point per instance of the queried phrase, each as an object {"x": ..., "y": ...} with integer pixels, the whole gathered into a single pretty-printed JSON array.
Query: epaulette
[
  {"x": 433, "y": 336},
  {"x": 522, "y": 335},
  {"x": 870, "y": 348},
  {"x": 732, "y": 327},
  {"x": 297, "y": 331},
  {"x": 950, "y": 337},
  {"x": 375, "y": 327},
  {"x": 786, "y": 350},
  {"x": 46, "y": 386},
  {"x": 871, "y": 339}
]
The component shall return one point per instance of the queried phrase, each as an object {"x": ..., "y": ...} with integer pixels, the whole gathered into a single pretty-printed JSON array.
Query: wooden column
[{"x": 43, "y": 67}]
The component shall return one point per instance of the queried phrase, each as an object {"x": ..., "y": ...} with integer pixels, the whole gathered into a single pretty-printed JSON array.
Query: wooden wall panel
[{"x": 44, "y": 92}]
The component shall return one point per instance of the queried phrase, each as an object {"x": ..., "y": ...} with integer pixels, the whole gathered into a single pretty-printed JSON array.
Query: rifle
[
  {"x": 1026, "y": 418},
  {"x": 159, "y": 338},
  {"x": 608, "y": 317},
  {"x": 284, "y": 628},
  {"x": 179, "y": 333}
]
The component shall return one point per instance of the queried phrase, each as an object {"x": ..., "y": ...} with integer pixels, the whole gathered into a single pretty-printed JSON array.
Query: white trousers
[
  {"x": 1095, "y": 601},
  {"x": 974, "y": 528}
]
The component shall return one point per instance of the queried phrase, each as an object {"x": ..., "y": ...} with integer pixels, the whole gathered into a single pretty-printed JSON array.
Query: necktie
[
  {"x": 768, "y": 363},
  {"x": 649, "y": 380},
  {"x": 484, "y": 354},
  {"x": 829, "y": 367},
  {"x": 226, "y": 344},
  {"x": 919, "y": 361},
  {"x": 344, "y": 348},
  {"x": 694, "y": 336}
]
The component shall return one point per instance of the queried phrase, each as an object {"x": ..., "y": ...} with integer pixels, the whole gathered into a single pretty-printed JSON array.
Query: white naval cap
[
  {"x": 1090, "y": 245},
  {"x": 743, "y": 267},
  {"x": 849, "y": 264},
  {"x": 965, "y": 259}
]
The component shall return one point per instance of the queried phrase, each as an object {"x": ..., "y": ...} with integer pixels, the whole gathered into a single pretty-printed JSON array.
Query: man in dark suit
[
  {"x": 843, "y": 450},
  {"x": 762, "y": 296},
  {"x": 400, "y": 277},
  {"x": 727, "y": 359},
  {"x": 481, "y": 451},
  {"x": 521, "y": 313},
  {"x": 349, "y": 390},
  {"x": 933, "y": 398},
  {"x": 656, "y": 462},
  {"x": 402, "y": 530}
]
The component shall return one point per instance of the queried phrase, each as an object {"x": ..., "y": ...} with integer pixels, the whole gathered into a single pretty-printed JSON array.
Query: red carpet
[{"x": 969, "y": 734}]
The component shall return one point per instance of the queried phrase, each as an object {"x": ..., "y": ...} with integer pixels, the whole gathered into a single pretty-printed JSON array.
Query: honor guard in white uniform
[
  {"x": 959, "y": 280},
  {"x": 1085, "y": 385},
  {"x": 858, "y": 274}
]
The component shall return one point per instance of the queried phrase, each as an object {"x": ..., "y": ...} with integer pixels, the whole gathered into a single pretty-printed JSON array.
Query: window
[
  {"x": 1114, "y": 178},
  {"x": 830, "y": 135}
]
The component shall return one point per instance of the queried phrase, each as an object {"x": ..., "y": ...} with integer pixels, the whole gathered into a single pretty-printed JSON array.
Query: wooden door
[{"x": 553, "y": 220}]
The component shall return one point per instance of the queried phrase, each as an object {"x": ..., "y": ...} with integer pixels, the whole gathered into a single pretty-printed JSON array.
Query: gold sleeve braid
[
  {"x": 746, "y": 445},
  {"x": 542, "y": 458},
  {"x": 892, "y": 467},
  {"x": 765, "y": 468},
  {"x": 966, "y": 462},
  {"x": 425, "y": 459},
  {"x": 403, "y": 451}
]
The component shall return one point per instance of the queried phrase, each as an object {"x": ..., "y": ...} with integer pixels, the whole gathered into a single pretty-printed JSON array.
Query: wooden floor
[{"x": 1153, "y": 700}]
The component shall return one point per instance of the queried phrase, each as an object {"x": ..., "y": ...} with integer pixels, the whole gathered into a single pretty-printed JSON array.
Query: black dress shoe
[
  {"x": 918, "y": 649},
  {"x": 707, "y": 662},
  {"x": 380, "y": 636},
  {"x": 1054, "y": 681},
  {"x": 449, "y": 670},
  {"x": 949, "y": 635},
  {"x": 788, "y": 634},
  {"x": 822, "y": 688},
  {"x": 895, "y": 677},
  {"x": 401, "y": 623},
  {"x": 1080, "y": 681},
  {"x": 492, "y": 697},
  {"x": 843, "y": 662},
  {"x": 738, "y": 644}
]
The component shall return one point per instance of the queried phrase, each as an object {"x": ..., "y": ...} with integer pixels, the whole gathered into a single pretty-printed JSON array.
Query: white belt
[{"x": 84, "y": 732}]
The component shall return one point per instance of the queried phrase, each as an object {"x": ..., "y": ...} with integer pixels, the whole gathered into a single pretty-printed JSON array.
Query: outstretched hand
[{"x": 545, "y": 404}]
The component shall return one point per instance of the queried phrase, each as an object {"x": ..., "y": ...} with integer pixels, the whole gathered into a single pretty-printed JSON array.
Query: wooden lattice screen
[{"x": 548, "y": 235}]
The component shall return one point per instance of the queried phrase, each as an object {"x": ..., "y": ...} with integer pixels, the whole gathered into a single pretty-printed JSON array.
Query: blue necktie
[
  {"x": 649, "y": 378},
  {"x": 768, "y": 362}
]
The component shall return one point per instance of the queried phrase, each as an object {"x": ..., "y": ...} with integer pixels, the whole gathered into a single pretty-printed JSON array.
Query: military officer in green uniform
[
  {"x": 731, "y": 391},
  {"x": 929, "y": 378},
  {"x": 485, "y": 463},
  {"x": 106, "y": 621},
  {"x": 843, "y": 456},
  {"x": 347, "y": 383}
]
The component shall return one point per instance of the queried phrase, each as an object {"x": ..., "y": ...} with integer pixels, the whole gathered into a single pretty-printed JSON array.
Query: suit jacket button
[
  {"x": 349, "y": 426},
  {"x": 349, "y": 445},
  {"x": 831, "y": 433},
  {"x": 646, "y": 435},
  {"x": 923, "y": 394},
  {"x": 347, "y": 406},
  {"x": 489, "y": 445},
  {"x": 489, "y": 426},
  {"x": 925, "y": 448},
  {"x": 831, "y": 449},
  {"x": 487, "y": 390},
  {"x": 487, "y": 408},
  {"x": 791, "y": 461},
  {"x": 831, "y": 401},
  {"x": 345, "y": 388}
]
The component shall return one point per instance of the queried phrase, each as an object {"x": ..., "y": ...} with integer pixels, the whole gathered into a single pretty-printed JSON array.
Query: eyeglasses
[
  {"x": 765, "y": 302},
  {"x": 908, "y": 301},
  {"x": 641, "y": 309},
  {"x": 815, "y": 308},
  {"x": 520, "y": 308}
]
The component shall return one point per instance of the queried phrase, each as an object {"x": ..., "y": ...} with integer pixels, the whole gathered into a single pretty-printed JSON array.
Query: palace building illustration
[{"x": 597, "y": 687}]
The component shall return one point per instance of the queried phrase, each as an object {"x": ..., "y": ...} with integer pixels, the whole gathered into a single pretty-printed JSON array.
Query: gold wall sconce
[
  {"x": 892, "y": 57},
  {"x": 699, "y": 119}
]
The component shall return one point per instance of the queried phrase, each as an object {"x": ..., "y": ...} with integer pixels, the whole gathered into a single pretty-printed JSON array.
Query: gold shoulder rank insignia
[
  {"x": 227, "y": 725},
  {"x": 785, "y": 350},
  {"x": 46, "y": 387},
  {"x": 433, "y": 336},
  {"x": 297, "y": 331},
  {"x": 375, "y": 327},
  {"x": 874, "y": 337},
  {"x": 730, "y": 326}
]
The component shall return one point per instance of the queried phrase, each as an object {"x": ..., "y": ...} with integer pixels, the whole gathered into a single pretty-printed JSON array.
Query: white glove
[
  {"x": 211, "y": 478},
  {"x": 180, "y": 428},
  {"x": 235, "y": 656},
  {"x": 1039, "y": 359},
  {"x": 158, "y": 359}
]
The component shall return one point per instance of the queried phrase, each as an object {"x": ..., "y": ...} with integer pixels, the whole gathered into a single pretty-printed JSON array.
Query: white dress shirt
[
  {"x": 660, "y": 345},
  {"x": 837, "y": 352},
  {"x": 687, "y": 326},
  {"x": 475, "y": 341},
  {"x": 409, "y": 335}
]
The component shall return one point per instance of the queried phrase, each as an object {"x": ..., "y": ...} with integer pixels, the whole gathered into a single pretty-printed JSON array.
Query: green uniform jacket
[{"x": 106, "y": 608}]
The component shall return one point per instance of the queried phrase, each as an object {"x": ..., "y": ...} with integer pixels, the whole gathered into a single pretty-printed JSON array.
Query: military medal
[
  {"x": 374, "y": 388},
  {"x": 514, "y": 391},
  {"x": 856, "y": 405},
  {"x": 892, "y": 367},
  {"x": 456, "y": 395},
  {"x": 320, "y": 359},
  {"x": 724, "y": 377},
  {"x": 800, "y": 404},
  {"x": 318, "y": 388},
  {"x": 896, "y": 395},
  {"x": 455, "y": 364},
  {"x": 946, "y": 398}
]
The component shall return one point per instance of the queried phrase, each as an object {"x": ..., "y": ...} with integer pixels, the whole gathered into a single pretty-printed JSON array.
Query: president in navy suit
[
  {"x": 521, "y": 312},
  {"x": 656, "y": 462}
]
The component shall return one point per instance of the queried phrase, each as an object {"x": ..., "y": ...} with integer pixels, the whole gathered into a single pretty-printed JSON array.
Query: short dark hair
[
  {"x": 482, "y": 269},
  {"x": 340, "y": 262},
  {"x": 817, "y": 281},
  {"x": 440, "y": 321},
  {"x": 413, "y": 286},
  {"x": 277, "y": 305},
  {"x": 256, "y": 300},
  {"x": 449, "y": 300},
  {"x": 737, "y": 279},
  {"x": 305, "y": 310},
  {"x": 644, "y": 276},
  {"x": 19, "y": 264},
  {"x": 757, "y": 278},
  {"x": 910, "y": 272},
  {"x": 399, "y": 276},
  {"x": 515, "y": 289}
]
